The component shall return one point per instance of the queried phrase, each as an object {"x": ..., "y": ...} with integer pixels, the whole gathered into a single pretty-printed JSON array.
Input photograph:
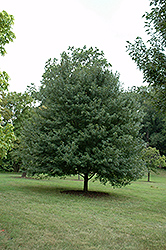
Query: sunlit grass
[{"x": 35, "y": 214}]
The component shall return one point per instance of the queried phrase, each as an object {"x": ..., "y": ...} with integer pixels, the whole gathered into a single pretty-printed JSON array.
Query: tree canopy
[
  {"x": 6, "y": 35},
  {"x": 15, "y": 109},
  {"x": 153, "y": 160},
  {"x": 85, "y": 123},
  {"x": 150, "y": 57},
  {"x": 154, "y": 122}
]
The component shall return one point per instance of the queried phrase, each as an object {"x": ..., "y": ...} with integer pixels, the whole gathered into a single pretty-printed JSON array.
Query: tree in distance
[
  {"x": 153, "y": 129},
  {"x": 15, "y": 108},
  {"x": 85, "y": 123},
  {"x": 153, "y": 160}
]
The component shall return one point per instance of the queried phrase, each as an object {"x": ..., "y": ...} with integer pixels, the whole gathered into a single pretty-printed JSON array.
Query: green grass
[{"x": 34, "y": 214}]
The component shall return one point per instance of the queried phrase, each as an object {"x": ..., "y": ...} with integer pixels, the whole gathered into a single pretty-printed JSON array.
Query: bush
[{"x": 41, "y": 176}]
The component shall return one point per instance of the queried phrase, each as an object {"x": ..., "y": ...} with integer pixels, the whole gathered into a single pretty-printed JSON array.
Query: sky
[{"x": 44, "y": 29}]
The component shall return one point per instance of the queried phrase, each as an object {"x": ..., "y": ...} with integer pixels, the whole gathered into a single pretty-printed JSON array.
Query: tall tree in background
[
  {"x": 154, "y": 129},
  {"x": 84, "y": 124},
  {"x": 6, "y": 35},
  {"x": 154, "y": 122},
  {"x": 151, "y": 57},
  {"x": 15, "y": 108}
]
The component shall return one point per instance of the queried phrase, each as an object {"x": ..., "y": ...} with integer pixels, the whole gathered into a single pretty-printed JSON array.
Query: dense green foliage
[
  {"x": 154, "y": 129},
  {"x": 151, "y": 57},
  {"x": 84, "y": 124},
  {"x": 6, "y": 35},
  {"x": 153, "y": 160},
  {"x": 15, "y": 108},
  {"x": 154, "y": 123}
]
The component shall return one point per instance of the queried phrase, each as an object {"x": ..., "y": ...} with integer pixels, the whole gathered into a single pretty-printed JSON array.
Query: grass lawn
[{"x": 36, "y": 214}]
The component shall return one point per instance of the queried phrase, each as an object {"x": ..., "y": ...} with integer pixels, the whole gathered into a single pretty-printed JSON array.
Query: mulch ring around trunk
[{"x": 91, "y": 194}]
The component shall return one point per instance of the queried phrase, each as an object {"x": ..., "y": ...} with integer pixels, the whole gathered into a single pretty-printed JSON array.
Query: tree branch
[{"x": 91, "y": 176}]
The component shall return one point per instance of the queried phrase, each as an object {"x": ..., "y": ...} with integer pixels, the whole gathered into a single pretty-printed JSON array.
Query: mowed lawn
[{"x": 36, "y": 214}]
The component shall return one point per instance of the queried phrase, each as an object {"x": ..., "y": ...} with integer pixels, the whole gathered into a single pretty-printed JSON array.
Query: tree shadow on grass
[
  {"x": 41, "y": 189},
  {"x": 61, "y": 190},
  {"x": 90, "y": 194}
]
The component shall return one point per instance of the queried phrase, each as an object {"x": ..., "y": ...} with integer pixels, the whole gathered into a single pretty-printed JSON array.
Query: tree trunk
[
  {"x": 148, "y": 176},
  {"x": 24, "y": 174},
  {"x": 86, "y": 183},
  {"x": 147, "y": 136}
]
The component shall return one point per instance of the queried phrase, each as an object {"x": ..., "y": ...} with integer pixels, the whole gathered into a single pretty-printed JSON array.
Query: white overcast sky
[{"x": 44, "y": 29}]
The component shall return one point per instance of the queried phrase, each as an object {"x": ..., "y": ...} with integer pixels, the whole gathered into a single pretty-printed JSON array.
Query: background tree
[
  {"x": 154, "y": 129},
  {"x": 153, "y": 160},
  {"x": 6, "y": 35},
  {"x": 154, "y": 122},
  {"x": 85, "y": 124},
  {"x": 15, "y": 108},
  {"x": 151, "y": 57}
]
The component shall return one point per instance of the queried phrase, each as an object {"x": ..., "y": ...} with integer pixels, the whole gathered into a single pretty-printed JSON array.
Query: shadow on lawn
[
  {"x": 60, "y": 191},
  {"x": 90, "y": 194},
  {"x": 36, "y": 187}
]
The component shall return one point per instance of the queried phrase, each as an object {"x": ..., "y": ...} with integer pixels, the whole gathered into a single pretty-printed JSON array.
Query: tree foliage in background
[
  {"x": 85, "y": 124},
  {"x": 151, "y": 57},
  {"x": 154, "y": 129},
  {"x": 15, "y": 108},
  {"x": 153, "y": 160},
  {"x": 6, "y": 35},
  {"x": 154, "y": 122}
]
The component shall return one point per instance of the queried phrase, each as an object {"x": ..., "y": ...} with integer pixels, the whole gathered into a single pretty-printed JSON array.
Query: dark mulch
[{"x": 91, "y": 194}]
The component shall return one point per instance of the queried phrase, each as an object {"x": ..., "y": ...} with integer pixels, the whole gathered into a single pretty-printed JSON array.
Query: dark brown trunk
[
  {"x": 148, "y": 176},
  {"x": 86, "y": 183},
  {"x": 24, "y": 174},
  {"x": 147, "y": 136}
]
